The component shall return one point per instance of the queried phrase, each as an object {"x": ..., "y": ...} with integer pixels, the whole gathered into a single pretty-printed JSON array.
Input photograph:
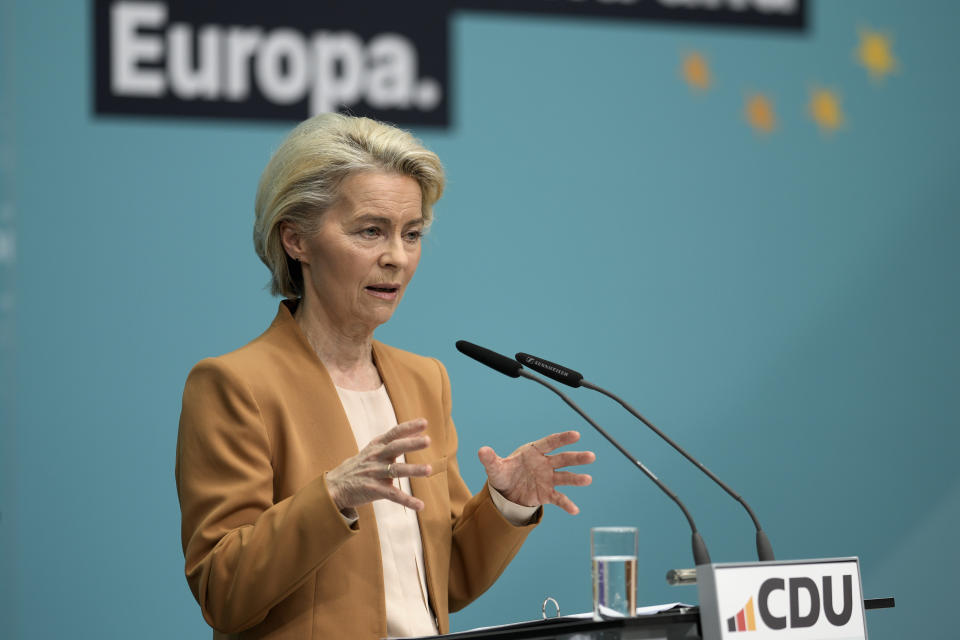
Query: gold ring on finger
[{"x": 390, "y": 470}]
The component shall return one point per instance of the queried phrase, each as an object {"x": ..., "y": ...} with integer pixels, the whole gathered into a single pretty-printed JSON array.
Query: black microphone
[
  {"x": 552, "y": 370},
  {"x": 514, "y": 369},
  {"x": 503, "y": 364},
  {"x": 575, "y": 379}
]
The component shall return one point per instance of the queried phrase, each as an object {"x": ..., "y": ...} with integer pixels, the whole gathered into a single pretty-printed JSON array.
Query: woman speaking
[{"x": 316, "y": 467}]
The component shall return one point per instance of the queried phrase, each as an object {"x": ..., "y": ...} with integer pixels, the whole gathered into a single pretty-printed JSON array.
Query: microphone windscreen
[
  {"x": 492, "y": 359},
  {"x": 551, "y": 369}
]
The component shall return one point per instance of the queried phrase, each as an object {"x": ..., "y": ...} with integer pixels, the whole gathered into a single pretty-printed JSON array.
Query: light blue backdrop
[{"x": 786, "y": 306}]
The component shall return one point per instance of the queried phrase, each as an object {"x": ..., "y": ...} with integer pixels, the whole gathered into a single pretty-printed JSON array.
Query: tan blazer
[{"x": 267, "y": 552}]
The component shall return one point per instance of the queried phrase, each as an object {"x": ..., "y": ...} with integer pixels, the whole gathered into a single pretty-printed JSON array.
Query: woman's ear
[{"x": 292, "y": 241}]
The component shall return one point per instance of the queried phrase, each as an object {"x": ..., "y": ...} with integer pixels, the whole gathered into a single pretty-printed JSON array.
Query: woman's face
[{"x": 359, "y": 263}]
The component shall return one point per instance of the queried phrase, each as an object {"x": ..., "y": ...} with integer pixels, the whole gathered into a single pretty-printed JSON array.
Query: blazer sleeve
[
  {"x": 484, "y": 541},
  {"x": 243, "y": 553}
]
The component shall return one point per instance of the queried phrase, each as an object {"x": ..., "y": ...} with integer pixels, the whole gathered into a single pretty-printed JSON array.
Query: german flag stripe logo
[{"x": 744, "y": 620}]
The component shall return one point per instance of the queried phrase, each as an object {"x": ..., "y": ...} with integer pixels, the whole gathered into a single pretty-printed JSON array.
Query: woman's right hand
[{"x": 370, "y": 474}]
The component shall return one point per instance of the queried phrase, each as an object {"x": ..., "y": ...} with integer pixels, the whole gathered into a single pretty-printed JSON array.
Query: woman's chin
[{"x": 380, "y": 316}]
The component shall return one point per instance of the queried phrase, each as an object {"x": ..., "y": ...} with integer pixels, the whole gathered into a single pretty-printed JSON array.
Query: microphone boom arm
[
  {"x": 700, "y": 553},
  {"x": 764, "y": 548}
]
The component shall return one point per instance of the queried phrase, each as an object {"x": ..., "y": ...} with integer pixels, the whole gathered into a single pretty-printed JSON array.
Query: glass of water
[{"x": 614, "y": 554}]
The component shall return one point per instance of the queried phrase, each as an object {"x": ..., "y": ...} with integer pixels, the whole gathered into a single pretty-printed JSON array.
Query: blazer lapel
[
  {"x": 404, "y": 406},
  {"x": 331, "y": 435}
]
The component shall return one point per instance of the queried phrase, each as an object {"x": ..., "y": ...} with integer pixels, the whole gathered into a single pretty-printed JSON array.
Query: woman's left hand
[{"x": 528, "y": 476}]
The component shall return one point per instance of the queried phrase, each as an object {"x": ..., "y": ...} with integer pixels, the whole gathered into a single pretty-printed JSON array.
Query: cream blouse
[{"x": 371, "y": 414}]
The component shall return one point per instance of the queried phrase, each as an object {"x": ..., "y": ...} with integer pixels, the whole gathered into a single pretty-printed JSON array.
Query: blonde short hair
[{"x": 302, "y": 180}]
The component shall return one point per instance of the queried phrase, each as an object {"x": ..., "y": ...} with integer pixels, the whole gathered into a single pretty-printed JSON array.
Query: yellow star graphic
[
  {"x": 696, "y": 71},
  {"x": 760, "y": 114},
  {"x": 875, "y": 54},
  {"x": 825, "y": 109}
]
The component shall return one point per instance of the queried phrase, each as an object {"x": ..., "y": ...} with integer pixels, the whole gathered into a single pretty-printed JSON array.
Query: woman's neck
[{"x": 346, "y": 352}]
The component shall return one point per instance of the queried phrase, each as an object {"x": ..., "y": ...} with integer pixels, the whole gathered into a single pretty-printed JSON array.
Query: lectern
[{"x": 675, "y": 624}]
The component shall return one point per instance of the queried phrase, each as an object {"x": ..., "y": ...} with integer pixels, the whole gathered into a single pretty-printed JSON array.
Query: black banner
[
  {"x": 271, "y": 60},
  {"x": 289, "y": 59},
  {"x": 787, "y": 14}
]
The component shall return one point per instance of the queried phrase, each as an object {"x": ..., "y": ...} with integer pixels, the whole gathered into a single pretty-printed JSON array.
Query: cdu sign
[{"x": 805, "y": 599}]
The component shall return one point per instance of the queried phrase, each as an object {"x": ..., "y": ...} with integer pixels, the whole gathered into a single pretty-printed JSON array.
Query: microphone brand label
[
  {"x": 534, "y": 363},
  {"x": 807, "y": 600}
]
